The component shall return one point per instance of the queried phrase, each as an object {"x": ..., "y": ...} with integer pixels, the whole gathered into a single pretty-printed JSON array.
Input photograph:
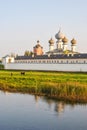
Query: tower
[
  {"x": 59, "y": 36},
  {"x": 64, "y": 40},
  {"x": 38, "y": 49},
  {"x": 51, "y": 44},
  {"x": 73, "y": 45}
]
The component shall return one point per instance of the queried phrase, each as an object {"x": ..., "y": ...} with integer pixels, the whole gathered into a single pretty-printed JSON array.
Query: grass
[{"x": 59, "y": 85}]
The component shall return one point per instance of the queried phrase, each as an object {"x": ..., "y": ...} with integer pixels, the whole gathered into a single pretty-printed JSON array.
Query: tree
[
  {"x": 26, "y": 53},
  {"x": 31, "y": 53},
  {"x": 1, "y": 66}
]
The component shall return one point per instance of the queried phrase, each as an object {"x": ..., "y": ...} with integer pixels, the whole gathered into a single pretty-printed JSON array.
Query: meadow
[{"x": 59, "y": 85}]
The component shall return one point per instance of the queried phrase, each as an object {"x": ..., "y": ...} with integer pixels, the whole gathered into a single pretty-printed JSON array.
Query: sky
[{"x": 23, "y": 22}]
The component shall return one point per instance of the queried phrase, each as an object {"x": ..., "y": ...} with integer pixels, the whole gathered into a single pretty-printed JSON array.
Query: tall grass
[{"x": 66, "y": 86}]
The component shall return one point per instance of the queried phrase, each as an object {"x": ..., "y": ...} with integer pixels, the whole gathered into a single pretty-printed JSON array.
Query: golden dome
[
  {"x": 73, "y": 41},
  {"x": 64, "y": 40},
  {"x": 51, "y": 41}
]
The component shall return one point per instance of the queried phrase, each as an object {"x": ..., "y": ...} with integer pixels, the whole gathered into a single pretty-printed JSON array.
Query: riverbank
[{"x": 64, "y": 86}]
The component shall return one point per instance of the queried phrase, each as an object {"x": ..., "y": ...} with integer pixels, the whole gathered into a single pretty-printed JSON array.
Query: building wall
[
  {"x": 38, "y": 51},
  {"x": 51, "y": 47},
  {"x": 53, "y": 61},
  {"x": 47, "y": 67}
]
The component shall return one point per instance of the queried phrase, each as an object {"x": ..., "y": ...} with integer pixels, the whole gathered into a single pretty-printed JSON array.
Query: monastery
[{"x": 56, "y": 59}]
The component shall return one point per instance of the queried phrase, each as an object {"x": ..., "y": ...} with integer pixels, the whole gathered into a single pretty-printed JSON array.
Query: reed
[{"x": 59, "y": 85}]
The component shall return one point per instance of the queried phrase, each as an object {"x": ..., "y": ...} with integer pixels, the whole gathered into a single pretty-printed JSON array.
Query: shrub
[{"x": 1, "y": 66}]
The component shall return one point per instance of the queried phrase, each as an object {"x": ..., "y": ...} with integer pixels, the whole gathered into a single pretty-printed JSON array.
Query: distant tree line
[{"x": 28, "y": 53}]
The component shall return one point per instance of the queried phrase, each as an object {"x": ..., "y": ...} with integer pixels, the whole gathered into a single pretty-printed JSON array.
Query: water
[{"x": 28, "y": 112}]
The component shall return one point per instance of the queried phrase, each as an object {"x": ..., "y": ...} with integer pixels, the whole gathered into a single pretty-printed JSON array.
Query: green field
[{"x": 59, "y": 85}]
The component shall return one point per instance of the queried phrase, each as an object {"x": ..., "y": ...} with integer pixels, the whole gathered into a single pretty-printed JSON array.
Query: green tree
[
  {"x": 1, "y": 66},
  {"x": 26, "y": 53}
]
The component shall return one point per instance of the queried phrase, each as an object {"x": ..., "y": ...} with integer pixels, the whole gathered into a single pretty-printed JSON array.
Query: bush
[{"x": 1, "y": 66}]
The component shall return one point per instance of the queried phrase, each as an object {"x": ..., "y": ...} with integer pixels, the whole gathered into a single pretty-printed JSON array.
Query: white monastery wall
[{"x": 49, "y": 67}]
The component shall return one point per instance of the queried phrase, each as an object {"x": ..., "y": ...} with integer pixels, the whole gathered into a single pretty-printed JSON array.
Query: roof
[
  {"x": 6, "y": 56},
  {"x": 61, "y": 56},
  {"x": 55, "y": 51}
]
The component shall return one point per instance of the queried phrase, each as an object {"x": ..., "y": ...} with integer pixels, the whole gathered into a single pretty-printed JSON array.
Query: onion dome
[
  {"x": 64, "y": 40},
  {"x": 38, "y": 45},
  {"x": 59, "y": 35},
  {"x": 51, "y": 41},
  {"x": 73, "y": 41}
]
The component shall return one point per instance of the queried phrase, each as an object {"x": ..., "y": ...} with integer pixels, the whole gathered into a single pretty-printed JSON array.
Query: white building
[{"x": 61, "y": 45}]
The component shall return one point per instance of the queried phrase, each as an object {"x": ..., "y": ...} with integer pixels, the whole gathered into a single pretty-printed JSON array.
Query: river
[{"x": 28, "y": 112}]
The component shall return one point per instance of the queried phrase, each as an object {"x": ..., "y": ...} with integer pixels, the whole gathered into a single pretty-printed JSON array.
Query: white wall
[
  {"x": 52, "y": 67},
  {"x": 51, "y": 47}
]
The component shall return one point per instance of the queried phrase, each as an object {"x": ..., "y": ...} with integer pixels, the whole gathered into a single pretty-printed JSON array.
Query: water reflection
[
  {"x": 28, "y": 112},
  {"x": 37, "y": 98},
  {"x": 57, "y": 106},
  {"x": 6, "y": 93}
]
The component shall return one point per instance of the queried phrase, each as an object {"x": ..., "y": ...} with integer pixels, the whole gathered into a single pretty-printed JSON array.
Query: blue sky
[{"x": 23, "y": 22}]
